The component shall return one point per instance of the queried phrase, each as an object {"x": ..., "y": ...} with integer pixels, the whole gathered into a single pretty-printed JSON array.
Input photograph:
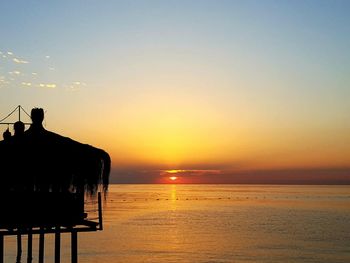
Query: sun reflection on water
[{"x": 173, "y": 197}]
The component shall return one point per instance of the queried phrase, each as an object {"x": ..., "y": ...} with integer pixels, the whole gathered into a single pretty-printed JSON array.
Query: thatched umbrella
[{"x": 42, "y": 161}]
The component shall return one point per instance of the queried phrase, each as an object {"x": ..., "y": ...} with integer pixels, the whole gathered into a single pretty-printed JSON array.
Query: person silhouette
[
  {"x": 36, "y": 129},
  {"x": 37, "y": 116},
  {"x": 19, "y": 128},
  {"x": 6, "y": 135}
]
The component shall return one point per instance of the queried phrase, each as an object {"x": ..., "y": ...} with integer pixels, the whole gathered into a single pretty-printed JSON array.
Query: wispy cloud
[
  {"x": 27, "y": 84},
  {"x": 3, "y": 81},
  {"x": 189, "y": 172},
  {"x": 39, "y": 74},
  {"x": 19, "y": 61},
  {"x": 76, "y": 85},
  {"x": 16, "y": 72},
  {"x": 47, "y": 85},
  {"x": 51, "y": 86}
]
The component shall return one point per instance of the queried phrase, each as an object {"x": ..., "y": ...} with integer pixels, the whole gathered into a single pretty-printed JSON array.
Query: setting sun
[{"x": 173, "y": 178}]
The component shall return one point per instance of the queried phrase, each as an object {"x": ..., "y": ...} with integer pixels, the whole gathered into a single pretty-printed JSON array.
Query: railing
[
  {"x": 80, "y": 215},
  {"x": 93, "y": 210}
]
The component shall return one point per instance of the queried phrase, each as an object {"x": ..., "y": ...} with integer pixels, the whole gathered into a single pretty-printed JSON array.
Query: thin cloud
[
  {"x": 19, "y": 61},
  {"x": 16, "y": 72},
  {"x": 189, "y": 172},
  {"x": 51, "y": 86},
  {"x": 27, "y": 84},
  {"x": 47, "y": 85},
  {"x": 3, "y": 81},
  {"x": 76, "y": 85},
  {"x": 45, "y": 76}
]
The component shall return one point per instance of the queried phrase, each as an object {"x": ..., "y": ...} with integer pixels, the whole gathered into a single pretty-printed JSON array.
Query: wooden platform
[{"x": 45, "y": 213}]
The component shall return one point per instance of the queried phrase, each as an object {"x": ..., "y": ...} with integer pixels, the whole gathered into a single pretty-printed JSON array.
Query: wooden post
[
  {"x": 100, "y": 221},
  {"x": 41, "y": 245},
  {"x": 1, "y": 249},
  {"x": 19, "y": 248},
  {"x": 74, "y": 247},
  {"x": 57, "y": 245},
  {"x": 30, "y": 247}
]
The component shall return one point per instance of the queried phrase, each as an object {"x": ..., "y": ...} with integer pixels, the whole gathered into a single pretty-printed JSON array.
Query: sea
[{"x": 213, "y": 223}]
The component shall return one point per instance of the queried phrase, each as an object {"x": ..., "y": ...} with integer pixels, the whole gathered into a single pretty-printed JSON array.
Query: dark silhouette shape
[
  {"x": 19, "y": 128},
  {"x": 37, "y": 116},
  {"x": 40, "y": 161},
  {"x": 43, "y": 180},
  {"x": 6, "y": 135}
]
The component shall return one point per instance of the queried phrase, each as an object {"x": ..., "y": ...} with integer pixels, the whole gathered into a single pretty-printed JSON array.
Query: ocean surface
[{"x": 214, "y": 223}]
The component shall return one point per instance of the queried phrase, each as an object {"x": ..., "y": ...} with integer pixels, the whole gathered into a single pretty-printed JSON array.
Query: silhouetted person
[
  {"x": 6, "y": 135},
  {"x": 19, "y": 128},
  {"x": 37, "y": 116}
]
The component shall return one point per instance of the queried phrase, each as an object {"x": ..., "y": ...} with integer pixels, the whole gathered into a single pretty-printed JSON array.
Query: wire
[
  {"x": 25, "y": 111},
  {"x": 9, "y": 114},
  {"x": 19, "y": 107}
]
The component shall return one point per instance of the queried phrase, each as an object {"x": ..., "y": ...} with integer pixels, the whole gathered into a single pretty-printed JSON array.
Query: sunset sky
[{"x": 205, "y": 91}]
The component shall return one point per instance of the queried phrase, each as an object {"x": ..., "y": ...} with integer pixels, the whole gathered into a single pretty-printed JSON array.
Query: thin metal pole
[
  {"x": 41, "y": 246},
  {"x": 30, "y": 247},
  {"x": 1, "y": 249},
  {"x": 74, "y": 247},
  {"x": 19, "y": 248},
  {"x": 57, "y": 245}
]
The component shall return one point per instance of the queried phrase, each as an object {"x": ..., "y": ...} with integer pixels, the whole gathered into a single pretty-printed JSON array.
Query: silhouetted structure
[
  {"x": 45, "y": 178},
  {"x": 43, "y": 161}
]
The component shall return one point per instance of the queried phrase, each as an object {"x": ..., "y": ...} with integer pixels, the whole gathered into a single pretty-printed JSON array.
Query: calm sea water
[{"x": 215, "y": 223}]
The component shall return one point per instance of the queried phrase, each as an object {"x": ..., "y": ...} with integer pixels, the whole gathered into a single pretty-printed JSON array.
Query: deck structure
[
  {"x": 41, "y": 222},
  {"x": 46, "y": 180}
]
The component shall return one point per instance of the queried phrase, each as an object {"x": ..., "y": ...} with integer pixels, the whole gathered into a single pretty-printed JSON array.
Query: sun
[{"x": 173, "y": 178}]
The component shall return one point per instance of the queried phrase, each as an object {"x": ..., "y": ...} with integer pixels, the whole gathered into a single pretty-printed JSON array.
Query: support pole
[
  {"x": 100, "y": 220},
  {"x": 74, "y": 247},
  {"x": 30, "y": 247},
  {"x": 57, "y": 245},
  {"x": 41, "y": 246},
  {"x": 19, "y": 248},
  {"x": 1, "y": 249}
]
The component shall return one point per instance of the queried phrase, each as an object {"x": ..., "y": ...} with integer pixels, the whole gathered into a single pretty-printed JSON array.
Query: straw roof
[{"x": 40, "y": 160}]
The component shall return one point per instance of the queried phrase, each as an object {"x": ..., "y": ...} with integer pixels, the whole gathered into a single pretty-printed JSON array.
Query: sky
[{"x": 210, "y": 91}]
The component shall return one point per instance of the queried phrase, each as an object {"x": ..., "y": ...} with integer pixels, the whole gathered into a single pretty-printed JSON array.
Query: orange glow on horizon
[{"x": 174, "y": 171}]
